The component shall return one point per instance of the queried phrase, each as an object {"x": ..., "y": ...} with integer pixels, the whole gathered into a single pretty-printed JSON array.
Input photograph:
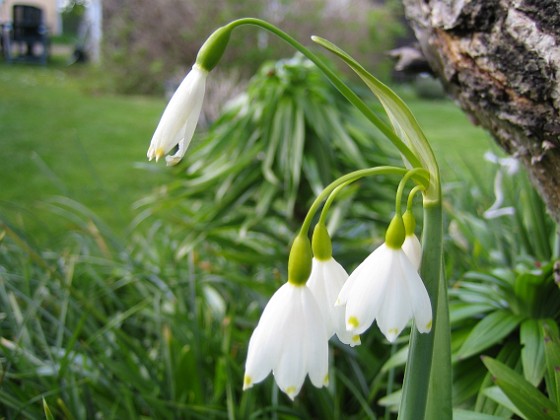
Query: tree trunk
[{"x": 500, "y": 59}]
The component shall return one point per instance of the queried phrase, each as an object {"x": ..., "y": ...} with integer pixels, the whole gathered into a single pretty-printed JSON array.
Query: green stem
[
  {"x": 421, "y": 177},
  {"x": 411, "y": 195},
  {"x": 330, "y": 199},
  {"x": 400, "y": 189},
  {"x": 337, "y": 82},
  {"x": 427, "y": 385}
]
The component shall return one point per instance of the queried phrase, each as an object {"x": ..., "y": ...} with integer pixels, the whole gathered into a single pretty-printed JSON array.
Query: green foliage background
[{"x": 145, "y": 314}]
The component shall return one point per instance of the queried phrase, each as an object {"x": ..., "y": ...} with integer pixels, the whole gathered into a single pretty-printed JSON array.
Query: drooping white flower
[
  {"x": 290, "y": 340},
  {"x": 180, "y": 118},
  {"x": 386, "y": 287},
  {"x": 326, "y": 279},
  {"x": 413, "y": 250}
]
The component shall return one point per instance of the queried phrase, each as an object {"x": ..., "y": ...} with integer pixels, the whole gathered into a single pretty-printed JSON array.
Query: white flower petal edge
[
  {"x": 326, "y": 280},
  {"x": 386, "y": 287},
  {"x": 291, "y": 340},
  {"x": 180, "y": 118},
  {"x": 413, "y": 250}
]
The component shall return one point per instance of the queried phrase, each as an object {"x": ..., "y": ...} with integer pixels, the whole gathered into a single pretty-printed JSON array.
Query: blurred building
[{"x": 50, "y": 8}]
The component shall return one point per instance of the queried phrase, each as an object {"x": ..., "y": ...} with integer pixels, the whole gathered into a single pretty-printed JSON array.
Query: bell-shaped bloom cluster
[
  {"x": 386, "y": 287},
  {"x": 179, "y": 120},
  {"x": 290, "y": 340}
]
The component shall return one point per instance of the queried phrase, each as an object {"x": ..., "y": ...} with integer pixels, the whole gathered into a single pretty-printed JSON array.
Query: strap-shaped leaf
[
  {"x": 403, "y": 121},
  {"x": 552, "y": 357},
  {"x": 491, "y": 330},
  {"x": 528, "y": 399},
  {"x": 460, "y": 414},
  {"x": 532, "y": 353}
]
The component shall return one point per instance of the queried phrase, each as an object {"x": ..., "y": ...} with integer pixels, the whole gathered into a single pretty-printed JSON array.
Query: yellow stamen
[
  {"x": 291, "y": 390},
  {"x": 159, "y": 153},
  {"x": 247, "y": 382},
  {"x": 356, "y": 339},
  {"x": 353, "y": 322}
]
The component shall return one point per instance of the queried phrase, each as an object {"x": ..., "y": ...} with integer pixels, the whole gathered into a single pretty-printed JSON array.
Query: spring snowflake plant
[{"x": 401, "y": 279}]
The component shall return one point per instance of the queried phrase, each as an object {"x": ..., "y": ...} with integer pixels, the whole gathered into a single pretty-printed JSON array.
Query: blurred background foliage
[
  {"x": 148, "y": 43},
  {"x": 113, "y": 312}
]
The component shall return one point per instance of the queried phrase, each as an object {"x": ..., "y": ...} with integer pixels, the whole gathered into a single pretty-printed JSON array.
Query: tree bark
[{"x": 500, "y": 59}]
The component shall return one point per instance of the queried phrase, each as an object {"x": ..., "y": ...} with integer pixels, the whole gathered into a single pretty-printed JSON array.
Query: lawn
[{"x": 60, "y": 138}]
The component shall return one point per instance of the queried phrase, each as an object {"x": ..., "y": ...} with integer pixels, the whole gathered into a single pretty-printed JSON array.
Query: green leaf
[
  {"x": 509, "y": 354},
  {"x": 532, "y": 353},
  {"x": 497, "y": 395},
  {"x": 526, "y": 398},
  {"x": 47, "y": 410},
  {"x": 552, "y": 357},
  {"x": 403, "y": 121},
  {"x": 491, "y": 330},
  {"x": 396, "y": 360},
  {"x": 460, "y": 414}
]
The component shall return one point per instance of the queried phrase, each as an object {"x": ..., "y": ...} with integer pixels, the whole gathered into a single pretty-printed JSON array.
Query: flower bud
[
  {"x": 409, "y": 223},
  {"x": 321, "y": 243},
  {"x": 212, "y": 50},
  {"x": 299, "y": 262},
  {"x": 394, "y": 237}
]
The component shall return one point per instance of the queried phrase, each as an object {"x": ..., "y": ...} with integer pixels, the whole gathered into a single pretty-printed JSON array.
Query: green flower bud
[
  {"x": 409, "y": 223},
  {"x": 394, "y": 237},
  {"x": 321, "y": 243},
  {"x": 299, "y": 262},
  {"x": 212, "y": 50}
]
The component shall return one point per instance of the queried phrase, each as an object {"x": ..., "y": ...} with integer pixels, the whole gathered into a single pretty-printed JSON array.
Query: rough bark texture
[{"x": 500, "y": 59}]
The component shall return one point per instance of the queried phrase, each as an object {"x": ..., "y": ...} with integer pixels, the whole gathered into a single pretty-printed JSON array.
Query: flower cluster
[
  {"x": 291, "y": 338},
  {"x": 320, "y": 299}
]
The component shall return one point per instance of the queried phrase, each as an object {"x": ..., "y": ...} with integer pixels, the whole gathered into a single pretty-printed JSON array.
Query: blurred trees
[{"x": 148, "y": 42}]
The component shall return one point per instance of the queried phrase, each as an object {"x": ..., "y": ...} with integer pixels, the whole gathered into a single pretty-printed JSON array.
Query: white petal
[
  {"x": 413, "y": 250},
  {"x": 265, "y": 343},
  {"x": 419, "y": 299},
  {"x": 368, "y": 289},
  {"x": 183, "y": 107},
  {"x": 318, "y": 284},
  {"x": 395, "y": 311},
  {"x": 290, "y": 370},
  {"x": 316, "y": 341}
]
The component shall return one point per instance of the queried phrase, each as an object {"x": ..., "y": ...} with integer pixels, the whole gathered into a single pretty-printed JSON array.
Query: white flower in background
[
  {"x": 326, "y": 279},
  {"x": 413, "y": 250},
  {"x": 290, "y": 340},
  {"x": 386, "y": 287},
  {"x": 510, "y": 166},
  {"x": 180, "y": 118}
]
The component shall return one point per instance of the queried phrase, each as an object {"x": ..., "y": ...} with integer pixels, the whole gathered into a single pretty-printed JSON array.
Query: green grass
[
  {"x": 59, "y": 137},
  {"x": 457, "y": 143}
]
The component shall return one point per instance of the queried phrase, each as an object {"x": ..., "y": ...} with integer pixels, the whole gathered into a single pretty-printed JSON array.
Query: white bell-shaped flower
[
  {"x": 326, "y": 279},
  {"x": 290, "y": 340},
  {"x": 386, "y": 287},
  {"x": 180, "y": 118}
]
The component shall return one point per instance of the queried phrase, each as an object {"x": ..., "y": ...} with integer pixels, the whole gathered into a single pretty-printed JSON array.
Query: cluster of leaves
[{"x": 508, "y": 310}]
